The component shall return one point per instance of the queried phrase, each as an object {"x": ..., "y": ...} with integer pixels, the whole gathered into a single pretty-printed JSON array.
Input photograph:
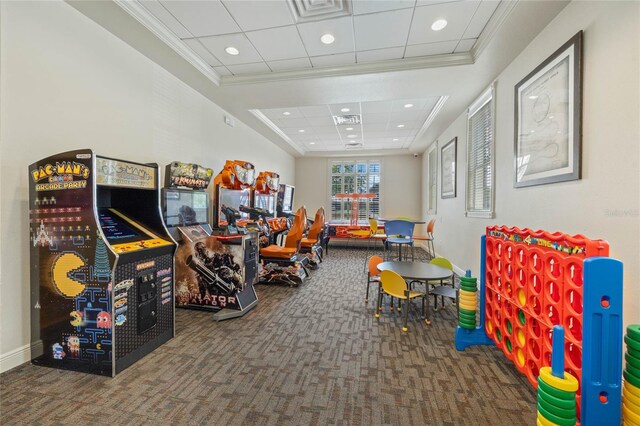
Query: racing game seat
[
  {"x": 292, "y": 242},
  {"x": 315, "y": 231}
]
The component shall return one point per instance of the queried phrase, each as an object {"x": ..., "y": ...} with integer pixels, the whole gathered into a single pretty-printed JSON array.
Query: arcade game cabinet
[
  {"x": 264, "y": 206},
  {"x": 213, "y": 273},
  {"x": 101, "y": 263},
  {"x": 284, "y": 204}
]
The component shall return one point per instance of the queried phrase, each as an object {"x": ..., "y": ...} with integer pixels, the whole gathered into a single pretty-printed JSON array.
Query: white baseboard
[
  {"x": 458, "y": 270},
  {"x": 19, "y": 356}
]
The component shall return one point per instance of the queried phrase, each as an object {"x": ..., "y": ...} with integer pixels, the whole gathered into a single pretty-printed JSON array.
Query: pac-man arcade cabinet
[{"x": 101, "y": 263}]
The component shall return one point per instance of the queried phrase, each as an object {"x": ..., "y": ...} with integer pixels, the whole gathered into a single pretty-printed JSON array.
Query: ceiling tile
[
  {"x": 354, "y": 108},
  {"x": 259, "y": 14},
  {"x": 257, "y": 68},
  {"x": 290, "y": 64},
  {"x": 432, "y": 2},
  {"x": 201, "y": 51},
  {"x": 315, "y": 111},
  {"x": 334, "y": 60},
  {"x": 465, "y": 45},
  {"x": 202, "y": 18},
  {"x": 409, "y": 116},
  {"x": 278, "y": 113},
  {"x": 217, "y": 44},
  {"x": 166, "y": 18},
  {"x": 278, "y": 43},
  {"x": 340, "y": 28},
  {"x": 418, "y": 104},
  {"x": 291, "y": 123},
  {"x": 376, "y": 107},
  {"x": 326, "y": 130},
  {"x": 374, "y": 127},
  {"x": 430, "y": 49},
  {"x": 370, "y": 6},
  {"x": 380, "y": 30},
  {"x": 480, "y": 18},
  {"x": 380, "y": 54},
  {"x": 458, "y": 16},
  {"x": 222, "y": 70},
  {"x": 375, "y": 117},
  {"x": 320, "y": 121}
]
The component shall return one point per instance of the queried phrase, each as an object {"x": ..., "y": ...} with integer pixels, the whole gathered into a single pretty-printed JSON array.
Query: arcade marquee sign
[{"x": 61, "y": 175}]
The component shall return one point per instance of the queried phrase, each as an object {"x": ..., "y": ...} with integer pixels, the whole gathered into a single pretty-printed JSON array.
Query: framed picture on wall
[
  {"x": 448, "y": 155},
  {"x": 548, "y": 119}
]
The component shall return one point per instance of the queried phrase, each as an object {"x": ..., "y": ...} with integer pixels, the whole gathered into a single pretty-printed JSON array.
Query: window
[
  {"x": 480, "y": 164},
  {"x": 355, "y": 176},
  {"x": 432, "y": 178}
]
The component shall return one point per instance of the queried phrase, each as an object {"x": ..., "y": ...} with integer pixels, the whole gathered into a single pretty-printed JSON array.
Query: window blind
[
  {"x": 479, "y": 161},
  {"x": 355, "y": 176}
]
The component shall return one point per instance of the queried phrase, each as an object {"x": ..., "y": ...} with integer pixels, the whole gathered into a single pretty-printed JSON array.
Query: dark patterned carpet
[{"x": 313, "y": 355}]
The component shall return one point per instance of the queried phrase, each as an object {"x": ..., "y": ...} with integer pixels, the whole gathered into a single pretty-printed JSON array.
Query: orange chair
[
  {"x": 315, "y": 231},
  {"x": 431, "y": 250},
  {"x": 373, "y": 275},
  {"x": 292, "y": 242}
]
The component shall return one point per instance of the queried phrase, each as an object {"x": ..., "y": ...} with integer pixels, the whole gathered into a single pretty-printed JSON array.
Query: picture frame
[
  {"x": 448, "y": 158},
  {"x": 548, "y": 119}
]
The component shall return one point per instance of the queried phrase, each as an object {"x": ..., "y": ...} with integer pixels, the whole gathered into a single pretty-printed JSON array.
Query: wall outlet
[{"x": 229, "y": 121}]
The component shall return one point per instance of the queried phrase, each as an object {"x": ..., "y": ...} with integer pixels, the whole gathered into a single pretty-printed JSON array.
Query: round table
[{"x": 417, "y": 271}]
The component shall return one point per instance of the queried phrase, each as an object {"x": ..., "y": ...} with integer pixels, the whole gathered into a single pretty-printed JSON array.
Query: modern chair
[
  {"x": 373, "y": 275},
  {"x": 395, "y": 286},
  {"x": 445, "y": 288},
  {"x": 431, "y": 250},
  {"x": 292, "y": 242},
  {"x": 312, "y": 242},
  {"x": 399, "y": 232}
]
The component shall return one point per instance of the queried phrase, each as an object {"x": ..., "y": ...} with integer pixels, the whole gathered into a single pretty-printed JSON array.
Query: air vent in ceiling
[
  {"x": 316, "y": 10},
  {"x": 343, "y": 120},
  {"x": 354, "y": 145}
]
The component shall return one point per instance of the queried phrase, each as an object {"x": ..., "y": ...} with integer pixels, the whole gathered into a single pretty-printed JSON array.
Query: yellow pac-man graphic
[{"x": 64, "y": 265}]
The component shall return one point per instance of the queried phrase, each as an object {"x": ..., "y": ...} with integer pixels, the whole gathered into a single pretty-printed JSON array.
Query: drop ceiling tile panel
[
  {"x": 371, "y": 6},
  {"x": 315, "y": 111},
  {"x": 259, "y": 14},
  {"x": 217, "y": 44},
  {"x": 278, "y": 43},
  {"x": 432, "y": 2},
  {"x": 329, "y": 131},
  {"x": 340, "y": 28},
  {"x": 201, "y": 51},
  {"x": 381, "y": 30},
  {"x": 480, "y": 18},
  {"x": 373, "y": 127},
  {"x": 369, "y": 118},
  {"x": 350, "y": 109},
  {"x": 202, "y": 18},
  {"x": 465, "y": 45},
  {"x": 430, "y": 49},
  {"x": 458, "y": 16},
  {"x": 340, "y": 59},
  {"x": 290, "y": 64},
  {"x": 257, "y": 68},
  {"x": 380, "y": 54},
  {"x": 279, "y": 113},
  {"x": 320, "y": 121},
  {"x": 291, "y": 123},
  {"x": 166, "y": 18},
  {"x": 418, "y": 104},
  {"x": 409, "y": 116},
  {"x": 376, "y": 107},
  {"x": 222, "y": 70}
]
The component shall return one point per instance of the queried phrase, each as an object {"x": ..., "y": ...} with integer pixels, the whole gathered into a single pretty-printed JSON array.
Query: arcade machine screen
[
  {"x": 287, "y": 203},
  {"x": 186, "y": 207},
  {"x": 117, "y": 230},
  {"x": 233, "y": 198},
  {"x": 266, "y": 202}
]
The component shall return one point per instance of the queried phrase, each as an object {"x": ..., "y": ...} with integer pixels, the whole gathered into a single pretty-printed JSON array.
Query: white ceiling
[
  {"x": 383, "y": 124},
  {"x": 272, "y": 37}
]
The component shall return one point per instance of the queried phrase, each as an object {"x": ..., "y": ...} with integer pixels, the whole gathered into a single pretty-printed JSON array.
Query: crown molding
[
  {"x": 142, "y": 15},
  {"x": 368, "y": 68},
  {"x": 358, "y": 153},
  {"x": 271, "y": 125},
  {"x": 503, "y": 10},
  {"x": 432, "y": 115}
]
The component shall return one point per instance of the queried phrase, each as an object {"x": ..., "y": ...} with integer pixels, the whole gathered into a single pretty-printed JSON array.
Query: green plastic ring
[
  {"x": 633, "y": 331},
  {"x": 564, "y": 412},
  {"x": 466, "y": 322},
  {"x": 632, "y": 343},
  {"x": 467, "y": 314},
  {"x": 467, "y": 311},
  {"x": 633, "y": 371},
  {"x": 468, "y": 327},
  {"x": 556, "y": 393},
  {"x": 565, "y": 404},
  {"x": 556, "y": 419},
  {"x": 635, "y": 381},
  {"x": 632, "y": 360}
]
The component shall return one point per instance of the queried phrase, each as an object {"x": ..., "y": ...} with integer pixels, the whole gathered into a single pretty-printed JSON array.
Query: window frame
[
  {"x": 355, "y": 161},
  {"x": 488, "y": 95}
]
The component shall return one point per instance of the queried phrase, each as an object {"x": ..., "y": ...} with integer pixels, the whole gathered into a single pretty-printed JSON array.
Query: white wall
[
  {"x": 67, "y": 83},
  {"x": 605, "y": 202},
  {"x": 399, "y": 189}
]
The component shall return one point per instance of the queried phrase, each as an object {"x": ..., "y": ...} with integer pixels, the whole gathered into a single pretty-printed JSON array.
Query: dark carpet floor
[{"x": 313, "y": 355}]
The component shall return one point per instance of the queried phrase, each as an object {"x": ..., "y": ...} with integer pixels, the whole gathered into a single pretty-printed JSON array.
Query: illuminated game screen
[
  {"x": 233, "y": 198},
  {"x": 116, "y": 229},
  {"x": 186, "y": 208},
  {"x": 266, "y": 202}
]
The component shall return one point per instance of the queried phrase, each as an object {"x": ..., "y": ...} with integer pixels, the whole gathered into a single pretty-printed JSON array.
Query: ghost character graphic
[
  {"x": 58, "y": 352},
  {"x": 73, "y": 344},
  {"x": 103, "y": 320}
]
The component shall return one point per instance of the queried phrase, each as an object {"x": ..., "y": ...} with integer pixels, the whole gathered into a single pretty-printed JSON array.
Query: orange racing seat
[
  {"x": 292, "y": 242},
  {"x": 315, "y": 230}
]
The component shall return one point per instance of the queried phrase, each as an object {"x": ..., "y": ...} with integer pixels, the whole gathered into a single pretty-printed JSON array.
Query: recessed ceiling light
[
  {"x": 352, "y": 141},
  {"x": 345, "y": 110},
  {"x": 400, "y": 126},
  {"x": 286, "y": 113},
  {"x": 352, "y": 136},
  {"x": 408, "y": 105},
  {"x": 301, "y": 131},
  {"x": 312, "y": 143},
  {"x": 349, "y": 128},
  {"x": 232, "y": 51},
  {"x": 327, "y": 38},
  {"x": 439, "y": 24},
  {"x": 533, "y": 97},
  {"x": 551, "y": 116},
  {"x": 395, "y": 139}
]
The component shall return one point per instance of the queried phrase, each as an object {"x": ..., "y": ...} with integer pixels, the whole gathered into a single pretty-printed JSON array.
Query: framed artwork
[
  {"x": 548, "y": 119},
  {"x": 448, "y": 155}
]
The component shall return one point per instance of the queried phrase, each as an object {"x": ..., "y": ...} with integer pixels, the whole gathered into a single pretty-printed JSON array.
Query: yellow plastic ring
[
  {"x": 567, "y": 384},
  {"x": 467, "y": 293},
  {"x": 630, "y": 415},
  {"x": 542, "y": 420},
  {"x": 628, "y": 396},
  {"x": 468, "y": 301},
  {"x": 467, "y": 296},
  {"x": 632, "y": 389},
  {"x": 468, "y": 306}
]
